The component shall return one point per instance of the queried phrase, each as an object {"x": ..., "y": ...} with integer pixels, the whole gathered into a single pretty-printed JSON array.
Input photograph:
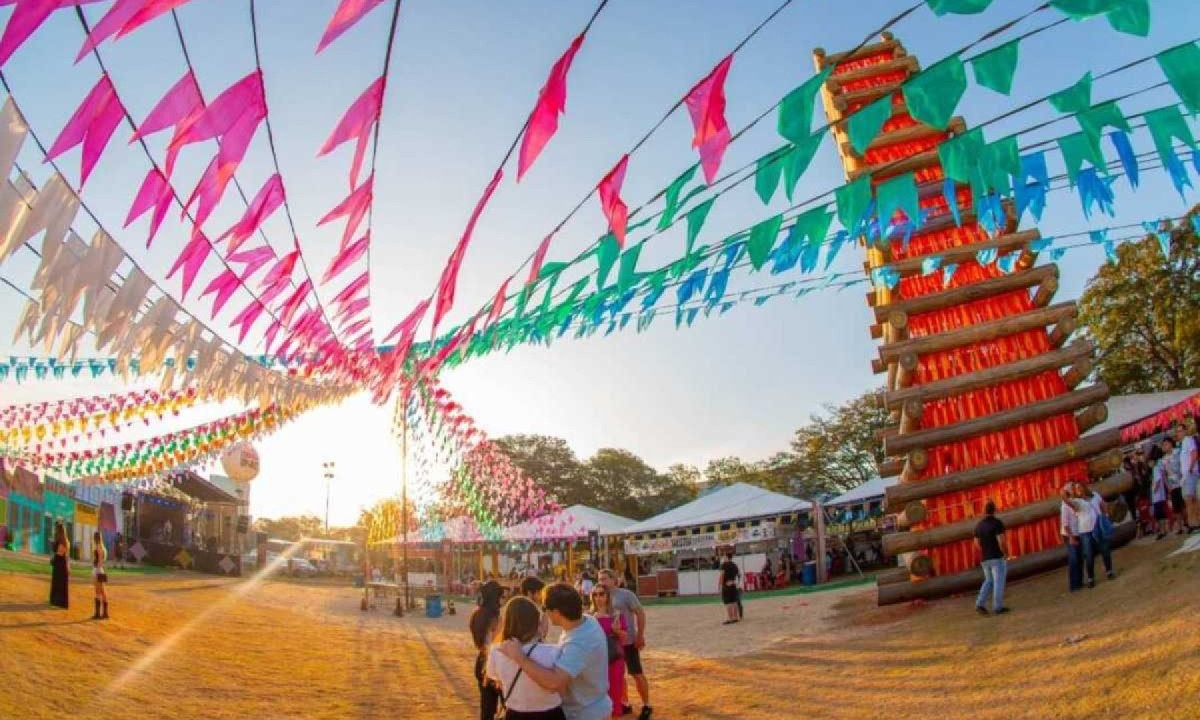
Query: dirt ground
[{"x": 181, "y": 645}]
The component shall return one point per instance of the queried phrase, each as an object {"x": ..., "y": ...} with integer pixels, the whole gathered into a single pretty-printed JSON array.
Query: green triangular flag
[
  {"x": 522, "y": 301},
  {"x": 796, "y": 109},
  {"x": 958, "y": 7},
  {"x": 852, "y": 202},
  {"x": 1076, "y": 98},
  {"x": 1166, "y": 124},
  {"x": 550, "y": 269},
  {"x": 1080, "y": 9},
  {"x": 762, "y": 240},
  {"x": 813, "y": 225},
  {"x": 799, "y": 160},
  {"x": 864, "y": 125},
  {"x": 933, "y": 94},
  {"x": 1077, "y": 148},
  {"x": 998, "y": 161},
  {"x": 898, "y": 193},
  {"x": 960, "y": 154},
  {"x": 695, "y": 220},
  {"x": 606, "y": 256},
  {"x": 627, "y": 274},
  {"x": 994, "y": 69},
  {"x": 671, "y": 204},
  {"x": 1096, "y": 118},
  {"x": 1181, "y": 65},
  {"x": 767, "y": 172},
  {"x": 1131, "y": 17}
]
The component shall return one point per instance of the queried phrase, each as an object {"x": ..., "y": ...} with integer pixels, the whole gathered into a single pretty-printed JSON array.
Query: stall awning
[
  {"x": 868, "y": 491},
  {"x": 730, "y": 504},
  {"x": 571, "y": 523},
  {"x": 194, "y": 486}
]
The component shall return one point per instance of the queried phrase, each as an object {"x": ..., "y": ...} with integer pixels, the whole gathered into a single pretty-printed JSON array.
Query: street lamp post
[
  {"x": 401, "y": 427},
  {"x": 328, "y": 467}
]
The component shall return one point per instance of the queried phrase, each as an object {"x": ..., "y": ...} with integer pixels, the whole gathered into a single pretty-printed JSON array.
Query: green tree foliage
[
  {"x": 1143, "y": 312},
  {"x": 291, "y": 528},
  {"x": 773, "y": 473},
  {"x": 553, "y": 465},
  {"x": 837, "y": 449}
]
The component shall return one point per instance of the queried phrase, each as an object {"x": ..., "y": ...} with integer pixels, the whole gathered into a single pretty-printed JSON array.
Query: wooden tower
[{"x": 982, "y": 379}]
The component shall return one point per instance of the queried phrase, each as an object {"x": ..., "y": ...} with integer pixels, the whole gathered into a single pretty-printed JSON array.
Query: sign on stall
[{"x": 732, "y": 536}]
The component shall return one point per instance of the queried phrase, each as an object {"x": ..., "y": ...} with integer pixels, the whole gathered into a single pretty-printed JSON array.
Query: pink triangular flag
[
  {"x": 181, "y": 102},
  {"x": 539, "y": 257},
  {"x": 347, "y": 14},
  {"x": 27, "y": 17},
  {"x": 191, "y": 259},
  {"x": 288, "y": 309},
  {"x": 93, "y": 124},
  {"x": 706, "y": 105},
  {"x": 246, "y": 318},
  {"x": 208, "y": 191},
  {"x": 552, "y": 101},
  {"x": 357, "y": 122},
  {"x": 266, "y": 202},
  {"x": 351, "y": 309},
  {"x": 611, "y": 204},
  {"x": 121, "y": 12},
  {"x": 241, "y": 100},
  {"x": 253, "y": 258},
  {"x": 498, "y": 303},
  {"x": 150, "y": 9},
  {"x": 353, "y": 208},
  {"x": 408, "y": 325},
  {"x": 223, "y": 286},
  {"x": 356, "y": 327},
  {"x": 155, "y": 193},
  {"x": 345, "y": 257},
  {"x": 354, "y": 288},
  {"x": 282, "y": 270},
  {"x": 449, "y": 278}
]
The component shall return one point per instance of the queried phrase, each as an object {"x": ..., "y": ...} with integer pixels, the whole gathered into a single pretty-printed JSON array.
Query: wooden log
[
  {"x": 1105, "y": 464},
  {"x": 936, "y": 436},
  {"x": 1045, "y": 292},
  {"x": 911, "y": 265},
  {"x": 914, "y": 465},
  {"x": 876, "y": 331},
  {"x": 842, "y": 101},
  {"x": 967, "y": 293},
  {"x": 903, "y": 542},
  {"x": 894, "y": 575},
  {"x": 900, "y": 495},
  {"x": 959, "y": 384},
  {"x": 902, "y": 63},
  {"x": 906, "y": 368},
  {"x": 1078, "y": 371},
  {"x": 885, "y": 432},
  {"x": 887, "y": 43},
  {"x": 890, "y": 468},
  {"x": 969, "y": 580},
  {"x": 919, "y": 565},
  {"x": 980, "y": 332},
  {"x": 1062, "y": 331},
  {"x": 1090, "y": 417},
  {"x": 884, "y": 170},
  {"x": 910, "y": 416},
  {"x": 914, "y": 512}
]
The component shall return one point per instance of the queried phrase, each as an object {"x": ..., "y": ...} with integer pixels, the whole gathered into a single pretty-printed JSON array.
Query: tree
[
  {"x": 552, "y": 464},
  {"x": 838, "y": 450},
  {"x": 770, "y": 474},
  {"x": 1143, "y": 312},
  {"x": 677, "y": 486},
  {"x": 291, "y": 528}
]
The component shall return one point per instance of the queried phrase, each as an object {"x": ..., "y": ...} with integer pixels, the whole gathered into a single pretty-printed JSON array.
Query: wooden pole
[
  {"x": 911, "y": 265},
  {"x": 1091, "y": 416},
  {"x": 1078, "y": 371},
  {"x": 980, "y": 332},
  {"x": 818, "y": 514},
  {"x": 968, "y": 293}
]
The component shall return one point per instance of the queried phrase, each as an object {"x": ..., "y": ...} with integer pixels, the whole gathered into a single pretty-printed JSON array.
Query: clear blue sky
[{"x": 465, "y": 74}]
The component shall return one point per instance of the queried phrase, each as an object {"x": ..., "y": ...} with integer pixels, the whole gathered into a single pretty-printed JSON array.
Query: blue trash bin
[
  {"x": 809, "y": 574},
  {"x": 433, "y": 606}
]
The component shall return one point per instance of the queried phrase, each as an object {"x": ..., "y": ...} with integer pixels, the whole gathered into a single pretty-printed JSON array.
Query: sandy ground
[{"x": 187, "y": 646}]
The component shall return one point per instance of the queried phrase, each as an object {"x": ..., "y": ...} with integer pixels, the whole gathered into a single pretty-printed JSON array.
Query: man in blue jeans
[{"x": 989, "y": 536}]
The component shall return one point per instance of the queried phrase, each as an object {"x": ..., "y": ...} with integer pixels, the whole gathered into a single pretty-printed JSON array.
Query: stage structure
[{"x": 983, "y": 381}]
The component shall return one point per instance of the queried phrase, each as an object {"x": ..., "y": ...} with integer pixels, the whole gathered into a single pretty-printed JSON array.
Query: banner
[{"x": 732, "y": 536}]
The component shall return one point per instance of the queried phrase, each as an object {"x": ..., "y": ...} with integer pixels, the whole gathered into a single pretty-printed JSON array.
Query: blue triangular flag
[
  {"x": 1041, "y": 244},
  {"x": 1057, "y": 253},
  {"x": 948, "y": 273},
  {"x": 930, "y": 264},
  {"x": 986, "y": 256},
  {"x": 1009, "y": 262},
  {"x": 1129, "y": 163}
]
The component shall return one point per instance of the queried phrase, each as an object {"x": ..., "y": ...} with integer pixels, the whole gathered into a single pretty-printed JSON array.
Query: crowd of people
[
  {"x": 581, "y": 676},
  {"x": 1163, "y": 497}
]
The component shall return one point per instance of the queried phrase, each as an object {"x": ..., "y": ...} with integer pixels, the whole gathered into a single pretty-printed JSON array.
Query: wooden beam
[
  {"x": 919, "y": 565},
  {"x": 887, "y": 43},
  {"x": 912, "y": 133},
  {"x": 914, "y": 464},
  {"x": 980, "y": 332},
  {"x": 912, "y": 163},
  {"x": 890, "y": 468},
  {"x": 903, "y": 542},
  {"x": 1079, "y": 370},
  {"x": 1090, "y": 417},
  {"x": 1046, "y": 291},
  {"x": 1105, "y": 464},
  {"x": 966, "y": 382},
  {"x": 969, "y": 580},
  {"x": 900, "y": 495},
  {"x": 894, "y": 575},
  {"x": 1062, "y": 331},
  {"x": 901, "y": 63},
  {"x": 910, "y": 416},
  {"x": 968, "y": 293},
  {"x": 906, "y": 368},
  {"x": 966, "y": 429},
  {"x": 914, "y": 512},
  {"x": 911, "y": 265}
]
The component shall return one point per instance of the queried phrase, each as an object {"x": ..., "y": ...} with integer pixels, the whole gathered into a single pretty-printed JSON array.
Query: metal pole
[
  {"x": 404, "y": 499},
  {"x": 328, "y": 467}
]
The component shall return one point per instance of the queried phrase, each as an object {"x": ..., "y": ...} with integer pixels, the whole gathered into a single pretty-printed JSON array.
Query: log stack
[{"x": 983, "y": 380}]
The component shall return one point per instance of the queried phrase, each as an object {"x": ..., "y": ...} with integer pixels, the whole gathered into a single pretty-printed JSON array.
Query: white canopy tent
[
  {"x": 1127, "y": 409},
  {"x": 570, "y": 523},
  {"x": 733, "y": 503},
  {"x": 868, "y": 491}
]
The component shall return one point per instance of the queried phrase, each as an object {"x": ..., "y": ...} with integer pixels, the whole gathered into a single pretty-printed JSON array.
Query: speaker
[{"x": 126, "y": 502}]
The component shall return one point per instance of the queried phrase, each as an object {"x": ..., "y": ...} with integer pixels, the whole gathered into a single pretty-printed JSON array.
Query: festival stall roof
[
  {"x": 194, "y": 486},
  {"x": 1126, "y": 410},
  {"x": 568, "y": 524},
  {"x": 869, "y": 490},
  {"x": 729, "y": 504}
]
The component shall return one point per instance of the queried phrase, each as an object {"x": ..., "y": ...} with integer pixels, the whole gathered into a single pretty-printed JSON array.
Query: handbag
[
  {"x": 1104, "y": 529},
  {"x": 615, "y": 651},
  {"x": 502, "y": 713}
]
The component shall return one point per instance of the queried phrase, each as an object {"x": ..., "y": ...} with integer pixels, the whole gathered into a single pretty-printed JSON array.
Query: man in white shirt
[
  {"x": 1069, "y": 528},
  {"x": 1189, "y": 465},
  {"x": 1086, "y": 518}
]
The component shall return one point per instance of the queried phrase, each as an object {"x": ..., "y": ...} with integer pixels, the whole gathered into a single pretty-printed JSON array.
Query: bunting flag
[
  {"x": 347, "y": 14},
  {"x": 191, "y": 259},
  {"x": 179, "y": 108},
  {"x": 155, "y": 193},
  {"x": 221, "y": 287},
  {"x": 539, "y": 257},
  {"x": 449, "y": 278},
  {"x": 92, "y": 125},
  {"x": 552, "y": 102},
  {"x": 356, "y": 124},
  {"x": 346, "y": 257},
  {"x": 265, "y": 202},
  {"x": 27, "y": 16},
  {"x": 233, "y": 116},
  {"x": 706, "y": 105},
  {"x": 354, "y": 208},
  {"x": 611, "y": 204}
]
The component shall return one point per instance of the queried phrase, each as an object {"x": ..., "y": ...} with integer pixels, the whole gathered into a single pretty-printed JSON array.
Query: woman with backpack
[{"x": 522, "y": 698}]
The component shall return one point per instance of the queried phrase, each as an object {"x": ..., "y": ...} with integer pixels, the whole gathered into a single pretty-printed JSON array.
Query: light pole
[
  {"x": 328, "y": 467},
  {"x": 400, "y": 426}
]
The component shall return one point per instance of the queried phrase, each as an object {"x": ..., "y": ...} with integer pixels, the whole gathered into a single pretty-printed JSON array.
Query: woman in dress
[
  {"x": 614, "y": 626},
  {"x": 99, "y": 555},
  {"x": 523, "y": 698},
  {"x": 484, "y": 622},
  {"x": 60, "y": 567}
]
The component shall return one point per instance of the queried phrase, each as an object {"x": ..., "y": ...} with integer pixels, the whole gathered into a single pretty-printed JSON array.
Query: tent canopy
[
  {"x": 729, "y": 504},
  {"x": 1127, "y": 409},
  {"x": 569, "y": 523},
  {"x": 869, "y": 490}
]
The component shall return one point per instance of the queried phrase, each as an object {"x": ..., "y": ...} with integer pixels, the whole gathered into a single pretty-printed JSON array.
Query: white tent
[
  {"x": 570, "y": 523},
  {"x": 866, "y": 492},
  {"x": 1127, "y": 409},
  {"x": 729, "y": 504}
]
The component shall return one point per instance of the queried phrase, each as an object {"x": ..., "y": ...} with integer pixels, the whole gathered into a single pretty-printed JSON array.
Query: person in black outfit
[
  {"x": 1140, "y": 471},
  {"x": 484, "y": 621},
  {"x": 60, "y": 567},
  {"x": 729, "y": 589},
  {"x": 989, "y": 536}
]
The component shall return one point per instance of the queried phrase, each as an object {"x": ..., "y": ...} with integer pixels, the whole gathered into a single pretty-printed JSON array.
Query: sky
[{"x": 464, "y": 76}]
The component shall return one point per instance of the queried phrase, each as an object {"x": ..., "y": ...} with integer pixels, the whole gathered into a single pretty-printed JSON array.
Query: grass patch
[{"x": 38, "y": 565}]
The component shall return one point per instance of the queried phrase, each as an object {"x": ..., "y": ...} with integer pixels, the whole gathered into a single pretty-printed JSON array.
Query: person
[
  {"x": 1158, "y": 492},
  {"x": 1140, "y": 471},
  {"x": 580, "y": 674},
  {"x": 60, "y": 568},
  {"x": 1068, "y": 525},
  {"x": 633, "y": 615},
  {"x": 119, "y": 550},
  {"x": 613, "y": 625},
  {"x": 1086, "y": 521},
  {"x": 99, "y": 555},
  {"x": 531, "y": 588},
  {"x": 1173, "y": 468},
  {"x": 767, "y": 572},
  {"x": 586, "y": 584},
  {"x": 483, "y": 623},
  {"x": 989, "y": 536},
  {"x": 1101, "y": 539},
  {"x": 523, "y": 699},
  {"x": 1189, "y": 467},
  {"x": 728, "y": 579}
]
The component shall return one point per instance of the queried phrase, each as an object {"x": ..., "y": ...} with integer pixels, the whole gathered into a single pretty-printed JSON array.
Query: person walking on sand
[
  {"x": 728, "y": 578},
  {"x": 60, "y": 568},
  {"x": 1158, "y": 492},
  {"x": 1173, "y": 466},
  {"x": 1068, "y": 525},
  {"x": 989, "y": 537},
  {"x": 626, "y": 603},
  {"x": 99, "y": 576},
  {"x": 1189, "y": 466},
  {"x": 1103, "y": 531}
]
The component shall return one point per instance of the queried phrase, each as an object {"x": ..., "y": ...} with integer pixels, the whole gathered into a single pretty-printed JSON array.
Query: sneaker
[
  {"x": 981, "y": 610},
  {"x": 1091, "y": 584},
  {"x": 1001, "y": 611},
  {"x": 645, "y": 713},
  {"x": 1112, "y": 576}
]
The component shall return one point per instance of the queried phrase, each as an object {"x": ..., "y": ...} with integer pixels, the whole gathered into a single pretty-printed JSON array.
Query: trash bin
[
  {"x": 809, "y": 575},
  {"x": 433, "y": 606},
  {"x": 359, "y": 581}
]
